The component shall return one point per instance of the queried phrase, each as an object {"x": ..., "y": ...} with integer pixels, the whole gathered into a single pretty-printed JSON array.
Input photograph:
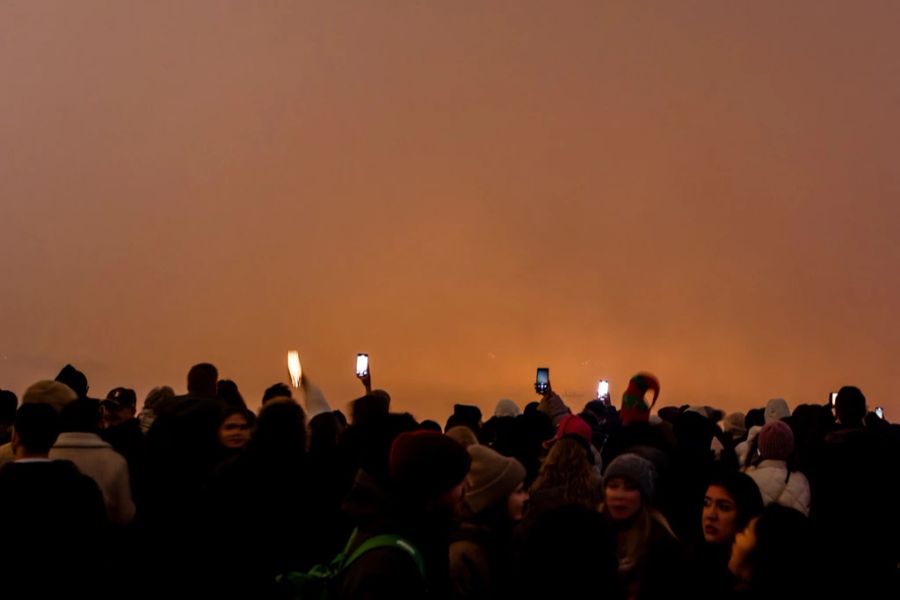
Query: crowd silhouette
[{"x": 198, "y": 496}]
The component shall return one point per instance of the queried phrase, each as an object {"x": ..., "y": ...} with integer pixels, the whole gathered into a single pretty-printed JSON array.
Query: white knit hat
[{"x": 777, "y": 409}]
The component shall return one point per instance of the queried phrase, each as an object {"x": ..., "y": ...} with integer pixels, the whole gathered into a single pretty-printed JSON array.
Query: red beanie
[
  {"x": 776, "y": 441},
  {"x": 427, "y": 464}
]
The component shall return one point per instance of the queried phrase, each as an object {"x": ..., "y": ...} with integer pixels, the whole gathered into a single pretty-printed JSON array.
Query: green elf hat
[{"x": 634, "y": 407}]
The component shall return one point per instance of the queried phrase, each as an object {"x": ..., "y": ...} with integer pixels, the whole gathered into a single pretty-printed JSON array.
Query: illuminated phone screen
[
  {"x": 603, "y": 388},
  {"x": 362, "y": 364},
  {"x": 543, "y": 379}
]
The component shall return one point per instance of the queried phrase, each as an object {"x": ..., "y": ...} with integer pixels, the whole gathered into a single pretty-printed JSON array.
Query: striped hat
[{"x": 634, "y": 407}]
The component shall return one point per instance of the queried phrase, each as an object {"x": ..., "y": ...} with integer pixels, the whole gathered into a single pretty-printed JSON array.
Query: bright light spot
[
  {"x": 602, "y": 388},
  {"x": 294, "y": 367}
]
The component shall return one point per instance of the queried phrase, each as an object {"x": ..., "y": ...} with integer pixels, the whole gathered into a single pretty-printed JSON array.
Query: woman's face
[
  {"x": 623, "y": 499},
  {"x": 719, "y": 516},
  {"x": 515, "y": 503},
  {"x": 744, "y": 542},
  {"x": 234, "y": 433}
]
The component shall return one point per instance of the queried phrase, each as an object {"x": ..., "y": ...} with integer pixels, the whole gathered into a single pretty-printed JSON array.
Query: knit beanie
[
  {"x": 693, "y": 431},
  {"x": 734, "y": 425},
  {"x": 634, "y": 407},
  {"x": 54, "y": 393},
  {"x": 776, "y": 441},
  {"x": 777, "y": 409},
  {"x": 462, "y": 435},
  {"x": 467, "y": 413},
  {"x": 507, "y": 408},
  {"x": 426, "y": 465},
  {"x": 75, "y": 379},
  {"x": 633, "y": 468},
  {"x": 491, "y": 479}
]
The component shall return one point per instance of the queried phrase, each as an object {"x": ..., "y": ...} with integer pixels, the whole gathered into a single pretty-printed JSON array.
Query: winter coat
[
  {"x": 743, "y": 449},
  {"x": 53, "y": 533},
  {"x": 480, "y": 563},
  {"x": 96, "y": 459},
  {"x": 775, "y": 485}
]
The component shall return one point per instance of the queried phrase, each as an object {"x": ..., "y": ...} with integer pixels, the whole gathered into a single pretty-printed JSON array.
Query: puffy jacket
[{"x": 771, "y": 476}]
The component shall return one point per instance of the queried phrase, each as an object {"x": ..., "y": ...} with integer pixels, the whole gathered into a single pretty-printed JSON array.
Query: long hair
[
  {"x": 634, "y": 542},
  {"x": 568, "y": 468}
]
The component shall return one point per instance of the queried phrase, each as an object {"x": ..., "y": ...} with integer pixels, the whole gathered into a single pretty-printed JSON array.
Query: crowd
[{"x": 197, "y": 496}]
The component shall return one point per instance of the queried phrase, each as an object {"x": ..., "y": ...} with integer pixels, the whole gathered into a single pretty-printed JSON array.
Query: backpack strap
[{"x": 386, "y": 541}]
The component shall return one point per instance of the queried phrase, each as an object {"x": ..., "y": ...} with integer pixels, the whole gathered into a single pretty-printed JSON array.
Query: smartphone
[
  {"x": 542, "y": 382},
  {"x": 362, "y": 365},
  {"x": 833, "y": 398},
  {"x": 603, "y": 389},
  {"x": 879, "y": 412}
]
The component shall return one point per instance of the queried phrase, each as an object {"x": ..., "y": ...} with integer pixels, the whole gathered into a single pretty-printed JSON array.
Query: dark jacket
[
  {"x": 389, "y": 573},
  {"x": 49, "y": 507},
  {"x": 128, "y": 440}
]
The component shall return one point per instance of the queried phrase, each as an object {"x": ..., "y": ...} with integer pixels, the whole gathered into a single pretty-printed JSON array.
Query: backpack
[{"x": 320, "y": 582}]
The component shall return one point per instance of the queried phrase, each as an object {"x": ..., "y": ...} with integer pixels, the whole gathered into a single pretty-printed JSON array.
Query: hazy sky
[{"x": 706, "y": 190}]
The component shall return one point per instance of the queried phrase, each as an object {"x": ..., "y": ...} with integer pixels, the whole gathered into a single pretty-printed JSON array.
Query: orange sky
[{"x": 705, "y": 190}]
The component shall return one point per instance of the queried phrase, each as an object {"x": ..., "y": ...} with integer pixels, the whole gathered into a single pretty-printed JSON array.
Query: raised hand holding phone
[
  {"x": 363, "y": 372},
  {"x": 542, "y": 382},
  {"x": 603, "y": 391}
]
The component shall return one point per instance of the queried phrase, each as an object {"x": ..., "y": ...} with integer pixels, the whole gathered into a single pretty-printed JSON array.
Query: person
[
  {"x": 54, "y": 516},
  {"x": 80, "y": 443},
  {"x": 566, "y": 477},
  {"x": 46, "y": 391},
  {"x": 770, "y": 470},
  {"x": 553, "y": 406},
  {"x": 773, "y": 556},
  {"x": 276, "y": 391},
  {"x": 856, "y": 501},
  {"x": 182, "y": 453},
  {"x": 234, "y": 430},
  {"x": 507, "y": 408},
  {"x": 463, "y": 435},
  {"x": 651, "y": 561},
  {"x": 466, "y": 415},
  {"x": 183, "y": 448},
  {"x": 568, "y": 552},
  {"x": 227, "y": 390},
  {"x": 121, "y": 429},
  {"x": 119, "y": 407},
  {"x": 328, "y": 476},
  {"x": 580, "y": 428},
  {"x": 270, "y": 480},
  {"x": 634, "y": 404},
  {"x": 161, "y": 394},
  {"x": 731, "y": 501},
  {"x": 8, "y": 405},
  {"x": 75, "y": 380},
  {"x": 493, "y": 503},
  {"x": 776, "y": 409},
  {"x": 684, "y": 480},
  {"x": 426, "y": 475}
]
